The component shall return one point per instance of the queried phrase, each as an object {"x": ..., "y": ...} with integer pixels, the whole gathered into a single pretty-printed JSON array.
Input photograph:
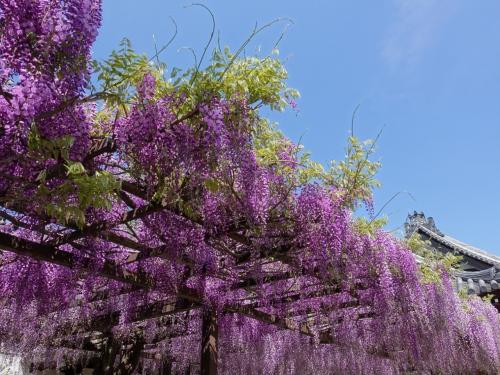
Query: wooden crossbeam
[
  {"x": 104, "y": 322},
  {"x": 87, "y": 343},
  {"x": 299, "y": 296},
  {"x": 251, "y": 281},
  {"x": 95, "y": 228},
  {"x": 325, "y": 337},
  {"x": 283, "y": 323},
  {"x": 63, "y": 258}
]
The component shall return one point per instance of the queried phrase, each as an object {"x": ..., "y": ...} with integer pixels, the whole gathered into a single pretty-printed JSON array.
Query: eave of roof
[
  {"x": 488, "y": 274},
  {"x": 462, "y": 248}
]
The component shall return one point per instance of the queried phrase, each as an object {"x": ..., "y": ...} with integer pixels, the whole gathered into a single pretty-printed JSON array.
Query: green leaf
[
  {"x": 212, "y": 185},
  {"x": 75, "y": 168}
]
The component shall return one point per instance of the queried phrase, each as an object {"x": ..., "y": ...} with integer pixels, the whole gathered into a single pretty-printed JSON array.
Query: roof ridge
[
  {"x": 481, "y": 251},
  {"x": 463, "y": 247}
]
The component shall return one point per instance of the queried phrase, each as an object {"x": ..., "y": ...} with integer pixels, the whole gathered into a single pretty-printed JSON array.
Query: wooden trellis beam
[
  {"x": 144, "y": 312},
  {"x": 95, "y": 228},
  {"x": 63, "y": 258},
  {"x": 273, "y": 319}
]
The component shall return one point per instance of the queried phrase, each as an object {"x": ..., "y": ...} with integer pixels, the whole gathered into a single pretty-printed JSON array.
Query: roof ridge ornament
[{"x": 416, "y": 219}]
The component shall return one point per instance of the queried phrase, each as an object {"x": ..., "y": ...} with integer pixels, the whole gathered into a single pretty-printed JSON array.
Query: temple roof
[
  {"x": 417, "y": 222},
  {"x": 462, "y": 247},
  {"x": 482, "y": 281}
]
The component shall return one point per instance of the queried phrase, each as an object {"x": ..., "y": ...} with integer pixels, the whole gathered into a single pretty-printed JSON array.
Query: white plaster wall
[{"x": 11, "y": 365}]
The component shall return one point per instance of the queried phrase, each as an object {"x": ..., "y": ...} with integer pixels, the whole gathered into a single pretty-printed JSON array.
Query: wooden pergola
[{"x": 236, "y": 251}]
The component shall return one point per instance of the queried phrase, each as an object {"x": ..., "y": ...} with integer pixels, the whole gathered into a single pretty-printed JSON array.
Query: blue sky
[{"x": 427, "y": 71}]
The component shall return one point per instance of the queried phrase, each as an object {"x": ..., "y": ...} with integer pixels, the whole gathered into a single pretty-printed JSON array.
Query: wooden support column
[
  {"x": 209, "y": 338},
  {"x": 130, "y": 355},
  {"x": 110, "y": 351},
  {"x": 166, "y": 367}
]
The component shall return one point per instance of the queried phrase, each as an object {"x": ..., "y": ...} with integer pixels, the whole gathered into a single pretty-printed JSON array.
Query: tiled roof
[
  {"x": 479, "y": 282},
  {"x": 462, "y": 248},
  {"x": 474, "y": 282}
]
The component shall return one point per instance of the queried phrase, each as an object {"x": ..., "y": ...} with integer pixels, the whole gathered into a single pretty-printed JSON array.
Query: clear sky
[{"x": 428, "y": 71}]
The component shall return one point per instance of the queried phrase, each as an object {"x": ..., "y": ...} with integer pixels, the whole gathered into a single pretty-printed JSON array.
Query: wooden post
[
  {"x": 108, "y": 356},
  {"x": 167, "y": 367},
  {"x": 130, "y": 355},
  {"x": 209, "y": 337}
]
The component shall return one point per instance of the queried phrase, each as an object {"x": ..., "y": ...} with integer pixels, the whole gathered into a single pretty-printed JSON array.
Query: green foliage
[
  {"x": 212, "y": 185},
  {"x": 68, "y": 200},
  {"x": 92, "y": 189},
  {"x": 463, "y": 295},
  {"x": 488, "y": 298},
  {"x": 355, "y": 175},
  {"x": 44, "y": 149},
  {"x": 119, "y": 75},
  {"x": 417, "y": 245},
  {"x": 369, "y": 227},
  {"x": 433, "y": 263},
  {"x": 260, "y": 81},
  {"x": 270, "y": 144}
]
